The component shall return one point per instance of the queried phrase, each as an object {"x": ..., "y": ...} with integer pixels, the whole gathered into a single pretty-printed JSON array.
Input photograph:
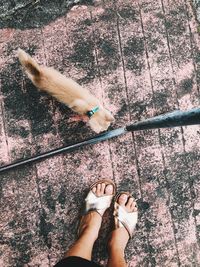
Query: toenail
[{"x": 109, "y": 189}]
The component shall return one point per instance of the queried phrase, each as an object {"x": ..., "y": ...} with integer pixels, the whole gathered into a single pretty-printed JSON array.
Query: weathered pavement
[{"x": 141, "y": 58}]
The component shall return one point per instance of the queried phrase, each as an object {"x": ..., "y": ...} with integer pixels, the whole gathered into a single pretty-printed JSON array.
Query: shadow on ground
[{"x": 22, "y": 14}]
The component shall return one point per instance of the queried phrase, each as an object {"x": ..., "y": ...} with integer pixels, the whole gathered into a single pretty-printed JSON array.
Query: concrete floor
[{"x": 141, "y": 58}]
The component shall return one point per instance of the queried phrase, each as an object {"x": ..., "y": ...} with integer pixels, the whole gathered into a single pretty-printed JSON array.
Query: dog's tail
[{"x": 30, "y": 65}]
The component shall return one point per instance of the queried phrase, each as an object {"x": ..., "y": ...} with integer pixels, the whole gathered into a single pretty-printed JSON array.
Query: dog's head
[{"x": 101, "y": 120}]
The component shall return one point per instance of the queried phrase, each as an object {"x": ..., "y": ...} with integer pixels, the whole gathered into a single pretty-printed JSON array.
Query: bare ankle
[
  {"x": 114, "y": 247},
  {"x": 89, "y": 232},
  {"x": 118, "y": 240},
  {"x": 90, "y": 225},
  {"x": 116, "y": 256}
]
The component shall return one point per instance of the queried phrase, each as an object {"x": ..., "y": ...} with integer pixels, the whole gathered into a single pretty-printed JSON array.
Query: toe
[
  {"x": 102, "y": 188},
  {"x": 129, "y": 203},
  {"x": 98, "y": 192},
  {"x": 109, "y": 189},
  {"x": 122, "y": 199},
  {"x": 94, "y": 189},
  {"x": 134, "y": 206},
  {"x": 103, "y": 185}
]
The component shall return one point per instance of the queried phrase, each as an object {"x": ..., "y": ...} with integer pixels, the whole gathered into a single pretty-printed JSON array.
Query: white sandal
[
  {"x": 122, "y": 218},
  {"x": 99, "y": 204}
]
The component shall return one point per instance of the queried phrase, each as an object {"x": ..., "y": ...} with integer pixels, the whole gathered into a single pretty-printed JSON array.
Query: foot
[
  {"x": 119, "y": 237},
  {"x": 91, "y": 222}
]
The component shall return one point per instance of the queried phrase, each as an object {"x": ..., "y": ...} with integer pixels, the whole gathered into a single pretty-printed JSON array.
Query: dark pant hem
[{"x": 74, "y": 261}]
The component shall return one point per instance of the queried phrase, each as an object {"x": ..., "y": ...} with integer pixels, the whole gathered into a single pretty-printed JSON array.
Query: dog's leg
[{"x": 77, "y": 118}]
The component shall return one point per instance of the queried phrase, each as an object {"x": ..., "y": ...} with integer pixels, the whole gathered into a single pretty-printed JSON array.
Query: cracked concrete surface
[
  {"x": 196, "y": 6},
  {"x": 23, "y": 14}
]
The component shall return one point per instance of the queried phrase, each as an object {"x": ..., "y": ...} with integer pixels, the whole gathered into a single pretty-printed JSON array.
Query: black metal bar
[
  {"x": 172, "y": 119},
  {"x": 70, "y": 148}
]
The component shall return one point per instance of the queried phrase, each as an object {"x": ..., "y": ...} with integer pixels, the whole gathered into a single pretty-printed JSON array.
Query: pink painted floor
[{"x": 141, "y": 58}]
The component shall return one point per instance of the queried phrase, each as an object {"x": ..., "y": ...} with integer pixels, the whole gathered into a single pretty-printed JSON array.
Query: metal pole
[
  {"x": 70, "y": 148},
  {"x": 168, "y": 120},
  {"x": 172, "y": 119}
]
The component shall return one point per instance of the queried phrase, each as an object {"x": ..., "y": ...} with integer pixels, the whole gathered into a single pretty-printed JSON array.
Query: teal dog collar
[{"x": 91, "y": 112}]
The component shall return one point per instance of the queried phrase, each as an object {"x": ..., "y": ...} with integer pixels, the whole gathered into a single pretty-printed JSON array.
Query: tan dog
[{"x": 68, "y": 92}]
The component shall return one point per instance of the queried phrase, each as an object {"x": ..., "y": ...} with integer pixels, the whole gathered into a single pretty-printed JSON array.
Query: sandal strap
[
  {"x": 125, "y": 219},
  {"x": 99, "y": 204}
]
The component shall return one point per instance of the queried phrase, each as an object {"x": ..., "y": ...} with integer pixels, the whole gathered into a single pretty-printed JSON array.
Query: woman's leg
[
  {"x": 90, "y": 226},
  {"x": 119, "y": 237}
]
